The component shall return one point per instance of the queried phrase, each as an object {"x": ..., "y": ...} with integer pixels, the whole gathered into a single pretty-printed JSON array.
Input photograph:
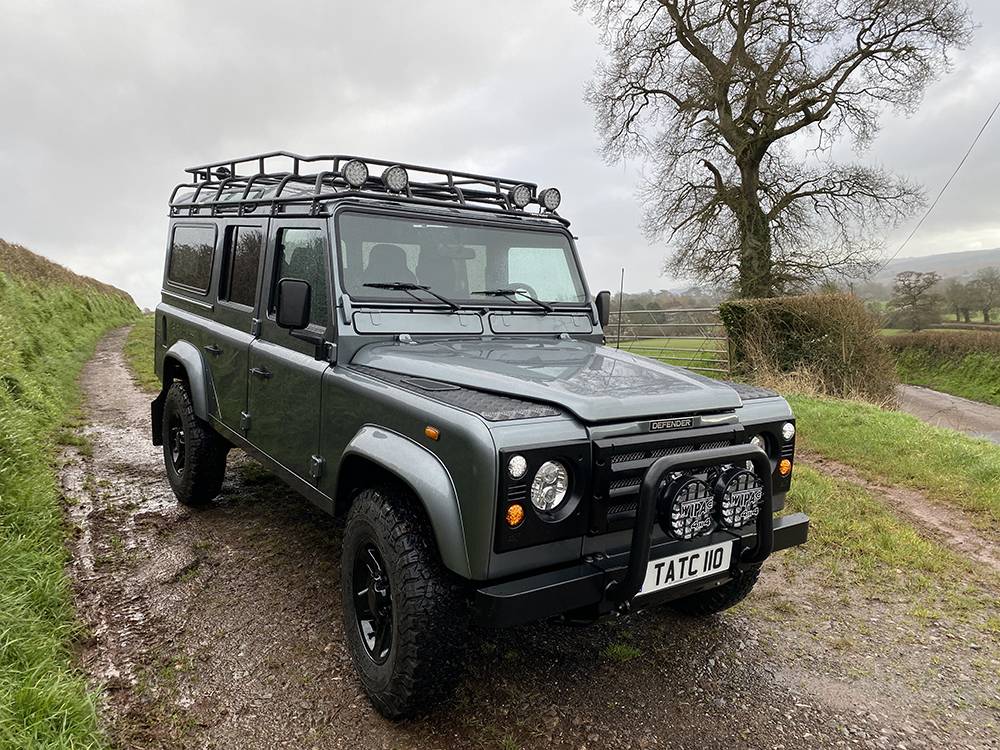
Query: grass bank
[
  {"x": 50, "y": 320},
  {"x": 900, "y": 449},
  {"x": 962, "y": 363},
  {"x": 139, "y": 353}
]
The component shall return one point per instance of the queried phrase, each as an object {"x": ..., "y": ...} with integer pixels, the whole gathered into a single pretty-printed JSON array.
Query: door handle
[
  {"x": 213, "y": 349},
  {"x": 260, "y": 372}
]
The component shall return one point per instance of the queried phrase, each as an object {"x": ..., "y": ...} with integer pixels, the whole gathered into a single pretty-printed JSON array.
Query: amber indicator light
[
  {"x": 432, "y": 432},
  {"x": 515, "y": 515},
  {"x": 785, "y": 467}
]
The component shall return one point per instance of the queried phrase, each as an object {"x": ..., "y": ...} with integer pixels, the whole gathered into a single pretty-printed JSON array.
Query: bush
[{"x": 827, "y": 344}]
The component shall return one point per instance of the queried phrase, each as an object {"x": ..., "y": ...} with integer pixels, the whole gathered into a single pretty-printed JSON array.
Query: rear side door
[
  {"x": 227, "y": 345},
  {"x": 285, "y": 376}
]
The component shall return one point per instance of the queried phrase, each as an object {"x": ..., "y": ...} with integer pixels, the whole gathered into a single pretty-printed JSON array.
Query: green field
[{"x": 50, "y": 321}]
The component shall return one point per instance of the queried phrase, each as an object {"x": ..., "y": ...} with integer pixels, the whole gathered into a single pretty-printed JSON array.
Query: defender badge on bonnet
[{"x": 677, "y": 423}]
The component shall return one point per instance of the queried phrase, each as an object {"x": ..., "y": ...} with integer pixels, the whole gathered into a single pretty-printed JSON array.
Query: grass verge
[
  {"x": 50, "y": 321},
  {"x": 862, "y": 542},
  {"x": 974, "y": 376},
  {"x": 139, "y": 353},
  {"x": 900, "y": 449}
]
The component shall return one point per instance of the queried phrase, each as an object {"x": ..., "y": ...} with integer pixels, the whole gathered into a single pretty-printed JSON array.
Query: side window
[
  {"x": 191, "y": 253},
  {"x": 302, "y": 255},
  {"x": 241, "y": 261}
]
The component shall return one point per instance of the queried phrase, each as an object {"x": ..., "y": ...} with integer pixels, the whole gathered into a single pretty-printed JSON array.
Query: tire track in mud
[{"x": 221, "y": 628}]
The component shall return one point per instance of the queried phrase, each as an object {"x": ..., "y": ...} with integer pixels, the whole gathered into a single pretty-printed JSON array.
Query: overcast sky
[{"x": 102, "y": 105}]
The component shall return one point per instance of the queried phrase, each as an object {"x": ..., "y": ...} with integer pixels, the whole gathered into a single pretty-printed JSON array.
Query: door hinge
[
  {"x": 316, "y": 464},
  {"x": 255, "y": 327},
  {"x": 244, "y": 421}
]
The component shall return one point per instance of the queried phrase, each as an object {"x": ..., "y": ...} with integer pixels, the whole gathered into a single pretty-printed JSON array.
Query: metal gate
[{"x": 694, "y": 338}]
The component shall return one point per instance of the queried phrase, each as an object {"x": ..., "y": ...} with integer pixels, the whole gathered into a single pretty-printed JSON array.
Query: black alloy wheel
[{"x": 373, "y": 603}]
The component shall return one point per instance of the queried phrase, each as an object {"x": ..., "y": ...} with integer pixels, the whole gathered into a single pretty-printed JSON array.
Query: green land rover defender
[{"x": 416, "y": 350}]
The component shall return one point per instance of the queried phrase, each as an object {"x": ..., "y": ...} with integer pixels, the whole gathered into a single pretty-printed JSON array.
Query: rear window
[
  {"x": 191, "y": 252},
  {"x": 241, "y": 261}
]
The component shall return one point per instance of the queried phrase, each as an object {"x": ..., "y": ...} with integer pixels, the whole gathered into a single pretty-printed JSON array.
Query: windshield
[{"x": 461, "y": 262}]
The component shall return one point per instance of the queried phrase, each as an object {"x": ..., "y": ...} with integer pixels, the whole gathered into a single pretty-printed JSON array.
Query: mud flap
[{"x": 156, "y": 417}]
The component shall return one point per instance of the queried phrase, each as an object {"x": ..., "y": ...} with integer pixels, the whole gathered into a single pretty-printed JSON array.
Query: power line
[{"x": 943, "y": 187}]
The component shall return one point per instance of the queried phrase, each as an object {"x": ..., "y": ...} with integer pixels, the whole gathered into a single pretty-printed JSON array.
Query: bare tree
[
  {"x": 735, "y": 105},
  {"x": 986, "y": 290},
  {"x": 958, "y": 298},
  {"x": 914, "y": 299}
]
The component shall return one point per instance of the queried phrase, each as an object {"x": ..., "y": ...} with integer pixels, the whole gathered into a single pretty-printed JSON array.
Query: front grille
[{"x": 621, "y": 463}]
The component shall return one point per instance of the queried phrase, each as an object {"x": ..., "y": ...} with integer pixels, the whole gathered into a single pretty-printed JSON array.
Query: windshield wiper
[
  {"x": 511, "y": 293},
  {"x": 407, "y": 286}
]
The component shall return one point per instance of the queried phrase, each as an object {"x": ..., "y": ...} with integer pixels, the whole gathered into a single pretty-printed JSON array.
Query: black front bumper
[{"x": 599, "y": 584}]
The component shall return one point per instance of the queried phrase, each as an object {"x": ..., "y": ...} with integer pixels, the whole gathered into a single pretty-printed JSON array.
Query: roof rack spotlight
[
  {"x": 520, "y": 195},
  {"x": 355, "y": 172},
  {"x": 395, "y": 178},
  {"x": 550, "y": 198}
]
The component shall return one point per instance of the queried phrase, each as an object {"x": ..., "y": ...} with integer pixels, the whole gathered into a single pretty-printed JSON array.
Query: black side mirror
[
  {"x": 603, "y": 307},
  {"x": 294, "y": 299}
]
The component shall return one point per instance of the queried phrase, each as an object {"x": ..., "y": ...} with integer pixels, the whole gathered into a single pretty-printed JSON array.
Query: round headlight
[
  {"x": 355, "y": 172},
  {"x": 739, "y": 494},
  {"x": 550, "y": 198},
  {"x": 520, "y": 195},
  {"x": 395, "y": 178},
  {"x": 759, "y": 441},
  {"x": 549, "y": 487},
  {"x": 517, "y": 466},
  {"x": 787, "y": 430}
]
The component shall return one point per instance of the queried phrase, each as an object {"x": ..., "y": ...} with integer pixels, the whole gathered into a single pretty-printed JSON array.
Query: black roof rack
[{"x": 252, "y": 183}]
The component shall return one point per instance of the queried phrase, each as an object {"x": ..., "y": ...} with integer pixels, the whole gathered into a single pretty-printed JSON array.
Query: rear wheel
[
  {"x": 193, "y": 453},
  {"x": 404, "y": 619},
  {"x": 720, "y": 598}
]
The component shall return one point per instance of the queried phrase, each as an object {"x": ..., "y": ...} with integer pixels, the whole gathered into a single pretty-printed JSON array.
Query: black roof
[{"x": 284, "y": 182}]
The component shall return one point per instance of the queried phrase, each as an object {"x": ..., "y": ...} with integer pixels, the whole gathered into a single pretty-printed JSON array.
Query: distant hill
[{"x": 962, "y": 264}]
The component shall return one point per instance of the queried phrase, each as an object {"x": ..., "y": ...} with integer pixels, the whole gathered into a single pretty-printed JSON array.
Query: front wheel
[
  {"x": 721, "y": 597},
  {"x": 403, "y": 618}
]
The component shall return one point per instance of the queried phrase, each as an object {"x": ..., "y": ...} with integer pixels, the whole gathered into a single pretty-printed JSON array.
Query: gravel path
[
  {"x": 222, "y": 629},
  {"x": 944, "y": 410}
]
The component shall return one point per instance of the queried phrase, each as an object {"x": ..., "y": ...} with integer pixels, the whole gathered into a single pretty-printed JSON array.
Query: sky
[{"x": 103, "y": 104}]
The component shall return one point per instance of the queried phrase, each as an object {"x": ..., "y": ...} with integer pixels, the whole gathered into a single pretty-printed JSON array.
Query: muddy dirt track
[{"x": 222, "y": 629}]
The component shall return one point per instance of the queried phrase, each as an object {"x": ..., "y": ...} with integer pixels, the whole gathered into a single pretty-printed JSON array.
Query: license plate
[{"x": 686, "y": 567}]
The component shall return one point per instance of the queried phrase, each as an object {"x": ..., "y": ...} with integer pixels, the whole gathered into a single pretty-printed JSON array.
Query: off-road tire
[
  {"x": 204, "y": 450},
  {"x": 720, "y": 598},
  {"x": 428, "y": 616}
]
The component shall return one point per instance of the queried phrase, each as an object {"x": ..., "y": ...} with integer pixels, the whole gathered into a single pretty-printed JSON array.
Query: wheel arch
[
  {"x": 182, "y": 361},
  {"x": 376, "y": 455}
]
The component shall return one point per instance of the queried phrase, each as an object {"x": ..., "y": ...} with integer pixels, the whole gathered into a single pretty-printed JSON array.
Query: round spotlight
[
  {"x": 395, "y": 179},
  {"x": 787, "y": 431},
  {"x": 355, "y": 172},
  {"x": 550, "y": 199},
  {"x": 688, "y": 508},
  {"x": 760, "y": 442},
  {"x": 549, "y": 487},
  {"x": 517, "y": 466},
  {"x": 738, "y": 494},
  {"x": 520, "y": 195}
]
